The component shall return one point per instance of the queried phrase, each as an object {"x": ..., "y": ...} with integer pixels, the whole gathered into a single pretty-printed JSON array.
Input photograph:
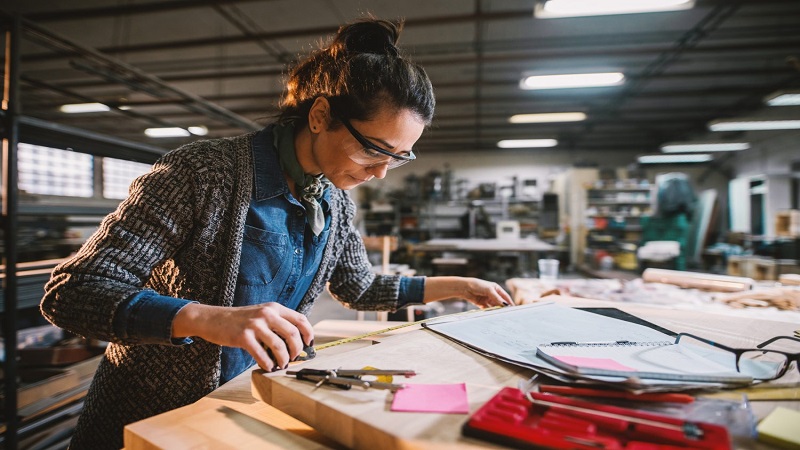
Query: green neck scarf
[{"x": 310, "y": 187}]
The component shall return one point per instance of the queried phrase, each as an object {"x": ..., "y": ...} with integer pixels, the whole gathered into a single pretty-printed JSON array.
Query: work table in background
[
  {"x": 231, "y": 418},
  {"x": 765, "y": 300}
]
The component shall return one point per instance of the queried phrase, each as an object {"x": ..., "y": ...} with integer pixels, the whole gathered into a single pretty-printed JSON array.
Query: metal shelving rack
[
  {"x": 613, "y": 215},
  {"x": 436, "y": 218},
  {"x": 16, "y": 127},
  {"x": 11, "y": 113}
]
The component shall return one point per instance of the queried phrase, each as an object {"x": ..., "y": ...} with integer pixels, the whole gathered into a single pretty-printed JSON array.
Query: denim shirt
[{"x": 280, "y": 253}]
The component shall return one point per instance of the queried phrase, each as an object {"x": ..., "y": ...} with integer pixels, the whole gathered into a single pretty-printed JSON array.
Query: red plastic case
[{"x": 509, "y": 418}]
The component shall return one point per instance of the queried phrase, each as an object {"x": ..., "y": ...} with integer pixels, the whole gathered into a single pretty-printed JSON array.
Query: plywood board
[{"x": 361, "y": 419}]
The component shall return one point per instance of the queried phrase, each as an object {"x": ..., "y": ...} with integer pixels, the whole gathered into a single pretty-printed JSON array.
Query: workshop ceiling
[{"x": 220, "y": 64}]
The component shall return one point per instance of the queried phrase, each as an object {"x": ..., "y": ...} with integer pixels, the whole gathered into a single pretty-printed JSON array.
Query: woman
[{"x": 218, "y": 253}]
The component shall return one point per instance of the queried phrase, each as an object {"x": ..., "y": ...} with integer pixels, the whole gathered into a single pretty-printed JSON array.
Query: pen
[{"x": 620, "y": 342}]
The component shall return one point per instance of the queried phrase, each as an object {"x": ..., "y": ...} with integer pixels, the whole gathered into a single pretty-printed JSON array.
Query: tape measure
[{"x": 392, "y": 328}]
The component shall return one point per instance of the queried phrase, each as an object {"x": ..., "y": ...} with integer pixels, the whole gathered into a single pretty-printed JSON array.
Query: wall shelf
[{"x": 420, "y": 220}]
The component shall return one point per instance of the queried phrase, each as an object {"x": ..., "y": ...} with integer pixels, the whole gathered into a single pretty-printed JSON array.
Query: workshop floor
[{"x": 327, "y": 307}]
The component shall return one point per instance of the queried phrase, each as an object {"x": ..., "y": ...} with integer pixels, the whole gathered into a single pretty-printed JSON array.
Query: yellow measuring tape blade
[{"x": 395, "y": 327}]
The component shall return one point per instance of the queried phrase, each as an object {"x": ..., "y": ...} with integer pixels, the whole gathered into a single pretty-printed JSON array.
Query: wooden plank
[
  {"x": 80, "y": 377},
  {"x": 42, "y": 383},
  {"x": 362, "y": 419}
]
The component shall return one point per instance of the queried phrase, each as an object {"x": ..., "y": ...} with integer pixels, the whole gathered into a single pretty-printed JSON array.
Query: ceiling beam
[
  {"x": 113, "y": 69},
  {"x": 438, "y": 21},
  {"x": 535, "y": 101},
  {"x": 178, "y": 5},
  {"x": 761, "y": 70},
  {"x": 127, "y": 10}
]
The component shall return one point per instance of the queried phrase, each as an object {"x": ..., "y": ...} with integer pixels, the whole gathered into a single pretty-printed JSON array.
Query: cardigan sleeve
[
  {"x": 112, "y": 268},
  {"x": 356, "y": 286}
]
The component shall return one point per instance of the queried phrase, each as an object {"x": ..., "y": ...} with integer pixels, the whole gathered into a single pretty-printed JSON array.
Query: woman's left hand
[{"x": 482, "y": 293}]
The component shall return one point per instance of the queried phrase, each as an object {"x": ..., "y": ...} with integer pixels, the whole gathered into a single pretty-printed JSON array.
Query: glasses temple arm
[{"x": 776, "y": 338}]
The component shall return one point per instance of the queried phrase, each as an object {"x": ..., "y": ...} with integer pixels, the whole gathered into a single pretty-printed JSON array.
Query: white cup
[{"x": 548, "y": 269}]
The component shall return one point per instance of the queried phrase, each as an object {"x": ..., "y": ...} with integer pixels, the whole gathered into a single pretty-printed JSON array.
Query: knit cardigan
[{"x": 179, "y": 233}]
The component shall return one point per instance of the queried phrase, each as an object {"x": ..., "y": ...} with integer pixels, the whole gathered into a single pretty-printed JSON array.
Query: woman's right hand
[{"x": 253, "y": 328}]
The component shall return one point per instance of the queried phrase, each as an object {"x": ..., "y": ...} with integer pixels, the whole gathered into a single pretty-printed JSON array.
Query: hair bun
[{"x": 368, "y": 36}]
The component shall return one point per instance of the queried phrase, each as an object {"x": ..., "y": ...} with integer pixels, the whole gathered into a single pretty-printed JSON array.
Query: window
[
  {"x": 118, "y": 175},
  {"x": 52, "y": 171}
]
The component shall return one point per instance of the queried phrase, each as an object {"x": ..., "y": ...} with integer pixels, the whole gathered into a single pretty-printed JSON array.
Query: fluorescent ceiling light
[
  {"x": 199, "y": 131},
  {"x": 705, "y": 147},
  {"x": 166, "y": 132},
  {"x": 79, "y": 108},
  {"x": 548, "y": 117},
  {"x": 782, "y": 98},
  {"x": 753, "y": 125},
  {"x": 675, "y": 159},
  {"x": 527, "y": 143},
  {"x": 572, "y": 8},
  {"x": 573, "y": 80}
]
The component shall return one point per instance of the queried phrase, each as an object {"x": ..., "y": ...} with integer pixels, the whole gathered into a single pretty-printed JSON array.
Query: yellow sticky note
[{"x": 780, "y": 428}]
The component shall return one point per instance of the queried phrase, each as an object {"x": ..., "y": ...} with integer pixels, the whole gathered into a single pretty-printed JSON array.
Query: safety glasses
[{"x": 370, "y": 155}]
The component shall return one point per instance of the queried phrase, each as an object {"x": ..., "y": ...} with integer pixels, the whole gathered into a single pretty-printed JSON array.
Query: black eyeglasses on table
[{"x": 761, "y": 363}]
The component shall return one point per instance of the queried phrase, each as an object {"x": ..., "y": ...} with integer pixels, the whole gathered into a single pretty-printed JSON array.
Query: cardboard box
[
  {"x": 787, "y": 223},
  {"x": 764, "y": 270},
  {"x": 736, "y": 266}
]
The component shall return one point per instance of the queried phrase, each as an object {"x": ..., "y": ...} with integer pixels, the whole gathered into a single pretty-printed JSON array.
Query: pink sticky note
[
  {"x": 595, "y": 363},
  {"x": 439, "y": 398}
]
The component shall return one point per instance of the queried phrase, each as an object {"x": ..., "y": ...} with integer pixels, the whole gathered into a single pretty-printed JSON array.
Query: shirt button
[
  {"x": 290, "y": 289},
  {"x": 297, "y": 251},
  {"x": 299, "y": 213}
]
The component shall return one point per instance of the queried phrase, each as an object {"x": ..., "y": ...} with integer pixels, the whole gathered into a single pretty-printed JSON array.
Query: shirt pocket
[{"x": 264, "y": 255}]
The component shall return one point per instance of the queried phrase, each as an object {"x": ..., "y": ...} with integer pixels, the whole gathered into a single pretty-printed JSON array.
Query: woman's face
[{"x": 347, "y": 163}]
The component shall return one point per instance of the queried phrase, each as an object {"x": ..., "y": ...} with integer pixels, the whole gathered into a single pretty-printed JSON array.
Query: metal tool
[{"x": 347, "y": 378}]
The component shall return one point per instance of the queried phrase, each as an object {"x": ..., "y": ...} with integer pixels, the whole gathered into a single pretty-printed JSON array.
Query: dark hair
[{"x": 359, "y": 71}]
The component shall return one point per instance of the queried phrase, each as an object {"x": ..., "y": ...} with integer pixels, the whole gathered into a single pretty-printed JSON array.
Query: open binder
[
  {"x": 660, "y": 360},
  {"x": 514, "y": 335}
]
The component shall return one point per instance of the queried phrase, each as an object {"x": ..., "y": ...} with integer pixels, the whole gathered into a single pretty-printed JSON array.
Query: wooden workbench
[{"x": 231, "y": 418}]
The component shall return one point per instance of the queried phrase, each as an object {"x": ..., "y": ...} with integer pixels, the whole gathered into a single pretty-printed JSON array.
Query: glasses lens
[
  {"x": 763, "y": 364},
  {"x": 368, "y": 157},
  {"x": 395, "y": 163},
  {"x": 711, "y": 355}
]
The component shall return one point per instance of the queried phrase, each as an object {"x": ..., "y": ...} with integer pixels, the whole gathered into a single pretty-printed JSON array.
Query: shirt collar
[
  {"x": 268, "y": 177},
  {"x": 268, "y": 181}
]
